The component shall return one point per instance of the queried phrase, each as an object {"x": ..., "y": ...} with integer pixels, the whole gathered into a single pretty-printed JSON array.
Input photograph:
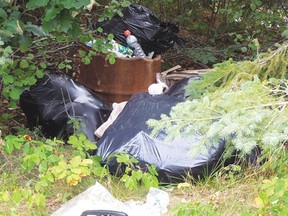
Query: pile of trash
[
  {"x": 139, "y": 33},
  {"x": 56, "y": 100},
  {"x": 120, "y": 128}
]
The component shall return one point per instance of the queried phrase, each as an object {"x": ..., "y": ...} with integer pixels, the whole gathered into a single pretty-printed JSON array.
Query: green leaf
[
  {"x": 12, "y": 105},
  {"x": 43, "y": 166},
  {"x": 133, "y": 160},
  {"x": 138, "y": 174},
  {"x": 16, "y": 196},
  {"x": 35, "y": 158},
  {"x": 263, "y": 196},
  {"x": 99, "y": 29},
  {"x": 25, "y": 42},
  {"x": 40, "y": 200},
  {"x": 125, "y": 4},
  {"x": 76, "y": 170},
  {"x": 26, "y": 148},
  {"x": 61, "y": 66},
  {"x": 75, "y": 31},
  {"x": 31, "y": 80},
  {"x": 253, "y": 6},
  {"x": 244, "y": 49},
  {"x": 34, "y": 29},
  {"x": 15, "y": 94},
  {"x": 65, "y": 22},
  {"x": 49, "y": 25},
  {"x": 123, "y": 158},
  {"x": 75, "y": 161},
  {"x": 3, "y": 13},
  {"x": 53, "y": 159},
  {"x": 12, "y": 26},
  {"x": 119, "y": 13},
  {"x": 32, "y": 4},
  {"x": 7, "y": 116},
  {"x": 24, "y": 64},
  {"x": 43, "y": 65},
  {"x": 82, "y": 53},
  {"x": 258, "y": 3},
  {"x": 18, "y": 83},
  {"x": 8, "y": 79},
  {"x": 9, "y": 146},
  {"x": 152, "y": 170},
  {"x": 18, "y": 144},
  {"x": 39, "y": 74},
  {"x": 78, "y": 4},
  {"x": 101, "y": 19},
  {"x": 112, "y": 59},
  {"x": 51, "y": 13},
  {"x": 110, "y": 37}
]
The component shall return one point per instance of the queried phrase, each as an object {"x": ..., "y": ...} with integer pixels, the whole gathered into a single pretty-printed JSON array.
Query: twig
[
  {"x": 61, "y": 48},
  {"x": 268, "y": 105},
  {"x": 273, "y": 55}
]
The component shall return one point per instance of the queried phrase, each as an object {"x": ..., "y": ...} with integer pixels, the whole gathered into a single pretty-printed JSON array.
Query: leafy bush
[
  {"x": 273, "y": 197},
  {"x": 232, "y": 103},
  {"x": 134, "y": 175}
]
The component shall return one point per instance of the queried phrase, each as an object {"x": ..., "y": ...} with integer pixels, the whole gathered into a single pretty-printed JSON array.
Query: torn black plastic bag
[
  {"x": 152, "y": 34},
  {"x": 178, "y": 88},
  {"x": 130, "y": 134},
  {"x": 55, "y": 99}
]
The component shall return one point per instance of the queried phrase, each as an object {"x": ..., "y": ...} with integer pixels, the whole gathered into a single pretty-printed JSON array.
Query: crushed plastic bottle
[{"x": 133, "y": 43}]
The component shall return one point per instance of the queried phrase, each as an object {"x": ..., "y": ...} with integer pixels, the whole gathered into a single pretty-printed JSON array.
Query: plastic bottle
[{"x": 133, "y": 43}]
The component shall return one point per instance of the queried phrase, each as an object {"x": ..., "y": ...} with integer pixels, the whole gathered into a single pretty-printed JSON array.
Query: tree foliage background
[{"x": 216, "y": 30}]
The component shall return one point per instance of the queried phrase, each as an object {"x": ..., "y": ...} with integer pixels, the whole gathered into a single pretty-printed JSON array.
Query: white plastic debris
[
  {"x": 117, "y": 109},
  {"x": 98, "y": 198},
  {"x": 157, "y": 88}
]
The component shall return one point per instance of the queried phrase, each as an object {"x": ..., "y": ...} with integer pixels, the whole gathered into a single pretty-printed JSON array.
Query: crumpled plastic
[
  {"x": 174, "y": 159},
  {"x": 56, "y": 99},
  {"x": 151, "y": 33},
  {"x": 97, "y": 197}
]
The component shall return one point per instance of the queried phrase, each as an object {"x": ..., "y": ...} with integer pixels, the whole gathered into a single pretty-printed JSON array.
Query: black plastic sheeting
[
  {"x": 130, "y": 134},
  {"x": 55, "y": 99},
  {"x": 178, "y": 89},
  {"x": 152, "y": 34}
]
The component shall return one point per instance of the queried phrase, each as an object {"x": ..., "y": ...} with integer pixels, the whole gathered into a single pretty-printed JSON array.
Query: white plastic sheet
[{"x": 98, "y": 198}]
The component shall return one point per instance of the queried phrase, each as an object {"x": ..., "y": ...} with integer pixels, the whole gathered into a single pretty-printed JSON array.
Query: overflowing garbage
[
  {"x": 57, "y": 100},
  {"x": 133, "y": 43},
  {"x": 119, "y": 50},
  {"x": 152, "y": 34}
]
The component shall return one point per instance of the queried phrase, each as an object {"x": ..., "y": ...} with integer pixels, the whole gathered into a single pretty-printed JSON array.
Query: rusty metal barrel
[{"x": 118, "y": 82}]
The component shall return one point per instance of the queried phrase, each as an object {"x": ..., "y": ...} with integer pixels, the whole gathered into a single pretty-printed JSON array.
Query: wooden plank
[
  {"x": 180, "y": 76},
  {"x": 164, "y": 73},
  {"x": 200, "y": 71}
]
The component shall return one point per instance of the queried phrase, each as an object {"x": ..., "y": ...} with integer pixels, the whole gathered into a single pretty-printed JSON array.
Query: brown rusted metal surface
[{"x": 117, "y": 82}]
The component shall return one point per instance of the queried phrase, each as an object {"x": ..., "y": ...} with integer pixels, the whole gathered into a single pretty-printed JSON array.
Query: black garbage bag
[
  {"x": 178, "y": 88},
  {"x": 55, "y": 99},
  {"x": 130, "y": 134},
  {"x": 152, "y": 34}
]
